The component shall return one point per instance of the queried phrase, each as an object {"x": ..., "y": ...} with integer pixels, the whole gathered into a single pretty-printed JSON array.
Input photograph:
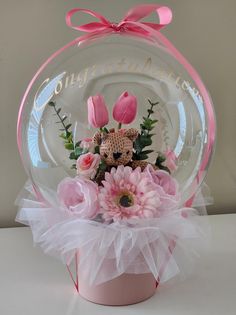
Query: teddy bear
[{"x": 116, "y": 148}]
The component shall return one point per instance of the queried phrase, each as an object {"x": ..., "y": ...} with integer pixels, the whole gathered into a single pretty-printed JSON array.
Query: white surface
[{"x": 32, "y": 283}]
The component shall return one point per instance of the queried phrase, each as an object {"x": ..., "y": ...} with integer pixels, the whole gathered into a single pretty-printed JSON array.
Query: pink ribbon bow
[{"x": 130, "y": 23}]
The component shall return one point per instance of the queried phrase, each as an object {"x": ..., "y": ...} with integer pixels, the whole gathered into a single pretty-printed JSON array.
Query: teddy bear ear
[
  {"x": 99, "y": 137},
  {"x": 131, "y": 133}
]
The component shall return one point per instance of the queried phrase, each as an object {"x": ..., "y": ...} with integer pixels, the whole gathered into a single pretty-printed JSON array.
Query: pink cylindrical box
[{"x": 123, "y": 290}]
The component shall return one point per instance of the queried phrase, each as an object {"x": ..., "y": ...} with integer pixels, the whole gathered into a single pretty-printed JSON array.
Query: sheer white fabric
[{"x": 163, "y": 246}]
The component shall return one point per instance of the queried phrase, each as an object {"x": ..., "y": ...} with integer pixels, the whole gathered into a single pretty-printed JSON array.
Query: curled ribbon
[{"x": 129, "y": 23}]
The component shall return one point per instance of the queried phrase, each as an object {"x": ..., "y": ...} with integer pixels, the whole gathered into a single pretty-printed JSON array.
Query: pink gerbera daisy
[{"x": 127, "y": 194}]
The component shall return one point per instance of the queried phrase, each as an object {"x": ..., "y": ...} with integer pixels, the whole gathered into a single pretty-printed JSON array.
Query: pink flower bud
[
  {"x": 125, "y": 108},
  {"x": 87, "y": 144},
  {"x": 171, "y": 160},
  {"x": 87, "y": 164},
  {"x": 97, "y": 111}
]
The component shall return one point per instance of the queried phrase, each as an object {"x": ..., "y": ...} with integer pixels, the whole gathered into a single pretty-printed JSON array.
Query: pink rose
[
  {"x": 79, "y": 196},
  {"x": 166, "y": 185},
  {"x": 87, "y": 144},
  {"x": 87, "y": 164}
]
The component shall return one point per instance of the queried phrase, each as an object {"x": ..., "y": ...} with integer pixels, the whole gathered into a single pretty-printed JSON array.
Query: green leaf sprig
[
  {"x": 144, "y": 139},
  {"x": 159, "y": 162},
  {"x": 67, "y": 135}
]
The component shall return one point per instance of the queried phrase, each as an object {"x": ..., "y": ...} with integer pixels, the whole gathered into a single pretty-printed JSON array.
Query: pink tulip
[
  {"x": 97, "y": 111},
  {"x": 125, "y": 108}
]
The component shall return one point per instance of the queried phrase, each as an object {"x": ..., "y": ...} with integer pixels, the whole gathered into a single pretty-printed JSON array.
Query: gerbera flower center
[{"x": 125, "y": 199}]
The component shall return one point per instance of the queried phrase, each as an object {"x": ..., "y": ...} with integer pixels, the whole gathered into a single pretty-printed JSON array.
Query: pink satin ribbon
[{"x": 129, "y": 23}]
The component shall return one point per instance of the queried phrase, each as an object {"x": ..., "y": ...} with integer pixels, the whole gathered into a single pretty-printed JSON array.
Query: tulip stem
[
  {"x": 119, "y": 126},
  {"x": 103, "y": 130}
]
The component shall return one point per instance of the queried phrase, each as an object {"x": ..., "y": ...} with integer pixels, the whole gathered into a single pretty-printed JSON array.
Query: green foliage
[
  {"x": 161, "y": 159},
  {"x": 67, "y": 135},
  {"x": 102, "y": 165},
  {"x": 102, "y": 168},
  {"x": 144, "y": 138},
  {"x": 96, "y": 149},
  {"x": 104, "y": 129},
  {"x": 69, "y": 146}
]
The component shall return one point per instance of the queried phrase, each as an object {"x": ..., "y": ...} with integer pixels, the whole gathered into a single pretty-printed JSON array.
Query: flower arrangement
[
  {"x": 121, "y": 216},
  {"x": 121, "y": 213},
  {"x": 114, "y": 180}
]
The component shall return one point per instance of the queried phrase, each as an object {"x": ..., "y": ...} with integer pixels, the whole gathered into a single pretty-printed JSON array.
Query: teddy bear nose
[{"x": 116, "y": 155}]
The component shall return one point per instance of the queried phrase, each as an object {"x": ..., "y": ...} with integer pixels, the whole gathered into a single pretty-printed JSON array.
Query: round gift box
[
  {"x": 123, "y": 290},
  {"x": 126, "y": 289}
]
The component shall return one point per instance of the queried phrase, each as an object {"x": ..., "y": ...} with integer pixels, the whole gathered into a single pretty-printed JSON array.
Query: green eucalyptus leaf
[
  {"x": 164, "y": 168},
  {"x": 138, "y": 146},
  {"x": 142, "y": 156},
  {"x": 97, "y": 149},
  {"x": 102, "y": 165},
  {"x": 78, "y": 151},
  {"x": 69, "y": 146},
  {"x": 154, "y": 121},
  {"x": 161, "y": 158},
  {"x": 64, "y": 118},
  {"x": 77, "y": 144},
  {"x": 62, "y": 135},
  {"x": 68, "y": 126},
  {"x": 72, "y": 156},
  {"x": 145, "y": 141},
  {"x": 69, "y": 136}
]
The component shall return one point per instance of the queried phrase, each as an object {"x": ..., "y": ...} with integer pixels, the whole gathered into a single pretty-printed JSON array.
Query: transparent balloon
[{"x": 110, "y": 64}]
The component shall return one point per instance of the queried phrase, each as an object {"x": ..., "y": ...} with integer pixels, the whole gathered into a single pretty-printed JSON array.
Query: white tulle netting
[{"x": 164, "y": 246}]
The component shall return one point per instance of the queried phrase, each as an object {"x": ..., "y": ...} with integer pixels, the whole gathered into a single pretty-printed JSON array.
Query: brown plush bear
[{"x": 116, "y": 148}]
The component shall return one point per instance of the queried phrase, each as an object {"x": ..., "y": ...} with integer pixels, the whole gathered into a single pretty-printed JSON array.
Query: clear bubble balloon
[{"x": 109, "y": 65}]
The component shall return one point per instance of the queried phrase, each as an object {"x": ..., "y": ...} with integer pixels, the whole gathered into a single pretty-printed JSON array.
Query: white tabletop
[{"x": 32, "y": 283}]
